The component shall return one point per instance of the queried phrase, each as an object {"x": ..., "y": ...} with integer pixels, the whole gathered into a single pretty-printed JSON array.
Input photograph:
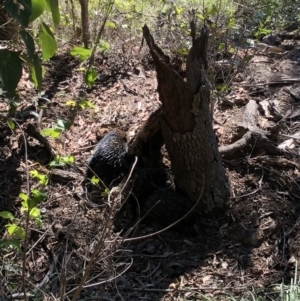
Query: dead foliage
[{"x": 257, "y": 124}]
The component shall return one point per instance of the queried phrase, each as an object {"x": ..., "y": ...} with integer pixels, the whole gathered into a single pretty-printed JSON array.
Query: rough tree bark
[
  {"x": 85, "y": 22},
  {"x": 184, "y": 120}
]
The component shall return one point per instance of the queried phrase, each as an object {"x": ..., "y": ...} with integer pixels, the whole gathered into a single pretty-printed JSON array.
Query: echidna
[
  {"x": 148, "y": 186},
  {"x": 109, "y": 159}
]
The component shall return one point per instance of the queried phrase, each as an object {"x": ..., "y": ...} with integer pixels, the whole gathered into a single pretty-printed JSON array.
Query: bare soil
[{"x": 255, "y": 246}]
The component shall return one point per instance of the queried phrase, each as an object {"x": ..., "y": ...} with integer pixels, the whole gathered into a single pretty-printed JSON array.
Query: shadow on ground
[{"x": 11, "y": 179}]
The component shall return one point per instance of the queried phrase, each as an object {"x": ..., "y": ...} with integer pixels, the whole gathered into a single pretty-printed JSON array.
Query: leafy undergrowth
[{"x": 244, "y": 255}]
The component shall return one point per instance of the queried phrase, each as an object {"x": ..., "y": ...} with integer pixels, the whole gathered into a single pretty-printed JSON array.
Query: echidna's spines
[{"x": 109, "y": 159}]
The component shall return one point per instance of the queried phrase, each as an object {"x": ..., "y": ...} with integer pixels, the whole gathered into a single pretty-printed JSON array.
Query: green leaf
[
  {"x": 221, "y": 46},
  {"x": 104, "y": 47},
  {"x": 95, "y": 180},
  {"x": 54, "y": 8},
  {"x": 35, "y": 213},
  {"x": 178, "y": 10},
  {"x": 39, "y": 195},
  {"x": 182, "y": 51},
  {"x": 11, "y": 124},
  {"x": 23, "y": 197},
  {"x": 39, "y": 222},
  {"x": 7, "y": 215},
  {"x": 53, "y": 133},
  {"x": 21, "y": 15},
  {"x": 200, "y": 16},
  {"x": 29, "y": 42},
  {"x": 230, "y": 22},
  {"x": 82, "y": 52},
  {"x": 12, "y": 105},
  {"x": 34, "y": 173},
  {"x": 71, "y": 103},
  {"x": 70, "y": 159},
  {"x": 25, "y": 203},
  {"x": 90, "y": 77},
  {"x": 10, "y": 70},
  {"x": 47, "y": 41},
  {"x": 84, "y": 104},
  {"x": 13, "y": 229},
  {"x": 38, "y": 7},
  {"x": 20, "y": 232},
  {"x": 62, "y": 161},
  {"x": 110, "y": 24},
  {"x": 222, "y": 87},
  {"x": 36, "y": 72},
  {"x": 232, "y": 50},
  {"x": 55, "y": 162},
  {"x": 61, "y": 125},
  {"x": 105, "y": 193},
  {"x": 43, "y": 179},
  {"x": 12, "y": 243},
  {"x": 213, "y": 11}
]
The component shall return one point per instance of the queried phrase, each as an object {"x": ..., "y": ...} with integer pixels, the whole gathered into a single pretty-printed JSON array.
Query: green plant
[
  {"x": 261, "y": 29},
  {"x": 82, "y": 104},
  {"x": 292, "y": 293},
  {"x": 14, "y": 228},
  {"x": 55, "y": 132},
  {"x": 11, "y": 61},
  {"x": 100, "y": 45},
  {"x": 43, "y": 179},
  {"x": 62, "y": 161},
  {"x": 289, "y": 292}
]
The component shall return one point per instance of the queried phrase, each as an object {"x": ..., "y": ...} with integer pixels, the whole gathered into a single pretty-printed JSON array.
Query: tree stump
[{"x": 185, "y": 123}]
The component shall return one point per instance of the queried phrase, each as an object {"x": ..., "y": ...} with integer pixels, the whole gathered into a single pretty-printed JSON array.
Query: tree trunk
[
  {"x": 85, "y": 22},
  {"x": 187, "y": 126}
]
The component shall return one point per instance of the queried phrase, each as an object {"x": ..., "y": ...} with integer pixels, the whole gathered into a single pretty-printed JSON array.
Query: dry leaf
[
  {"x": 206, "y": 278},
  {"x": 287, "y": 144},
  {"x": 292, "y": 259},
  {"x": 224, "y": 265}
]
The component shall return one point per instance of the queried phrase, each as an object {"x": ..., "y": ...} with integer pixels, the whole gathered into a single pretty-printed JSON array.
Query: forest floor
[{"x": 256, "y": 246}]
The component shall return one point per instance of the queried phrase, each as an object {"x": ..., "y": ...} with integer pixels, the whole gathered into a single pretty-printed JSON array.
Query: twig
[
  {"x": 16, "y": 296},
  {"x": 40, "y": 239},
  {"x": 34, "y": 133},
  {"x": 104, "y": 281},
  {"x": 63, "y": 280},
  {"x": 256, "y": 190},
  {"x": 286, "y": 81},
  {"x": 108, "y": 11},
  {"x": 27, "y": 216},
  {"x": 188, "y": 289},
  {"x": 130, "y": 174},
  {"x": 97, "y": 249},
  {"x": 48, "y": 275},
  {"x": 170, "y": 226}
]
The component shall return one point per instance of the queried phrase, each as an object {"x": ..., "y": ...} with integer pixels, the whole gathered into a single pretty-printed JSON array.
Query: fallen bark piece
[
  {"x": 254, "y": 138},
  {"x": 34, "y": 133},
  {"x": 250, "y": 141},
  {"x": 295, "y": 92},
  {"x": 269, "y": 49},
  {"x": 65, "y": 176}
]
